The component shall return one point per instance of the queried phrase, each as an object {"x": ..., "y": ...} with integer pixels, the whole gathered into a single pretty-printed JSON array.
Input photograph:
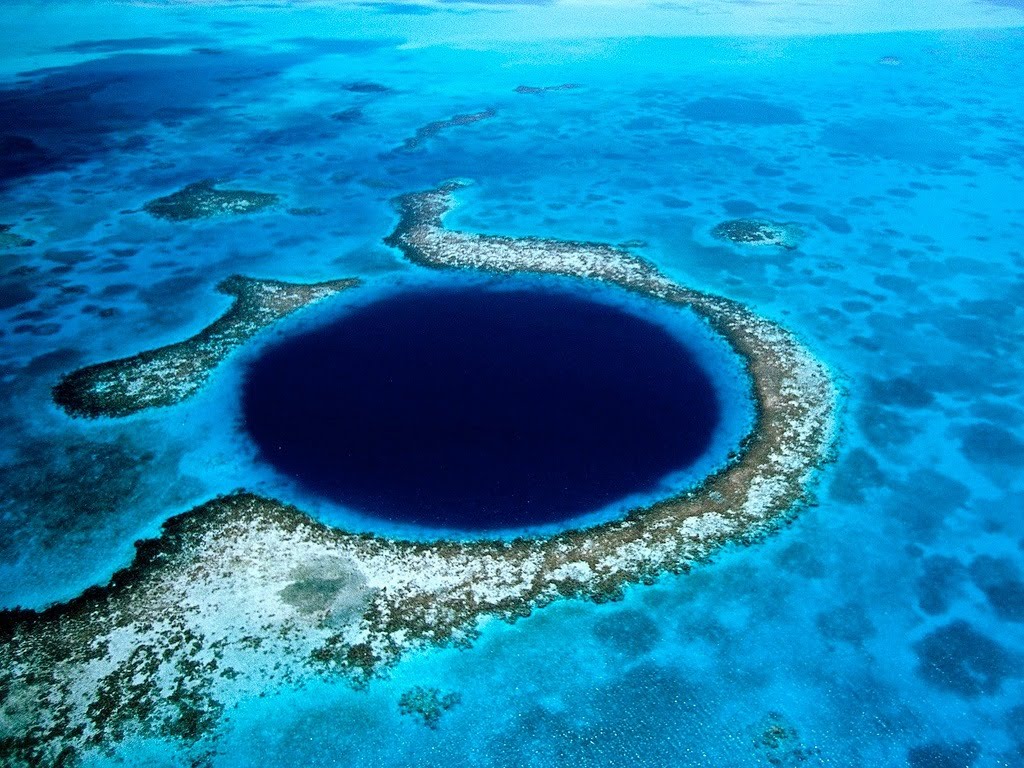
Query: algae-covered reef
[
  {"x": 759, "y": 232},
  {"x": 202, "y": 200},
  {"x": 428, "y": 131},
  {"x": 245, "y": 594},
  {"x": 168, "y": 375}
]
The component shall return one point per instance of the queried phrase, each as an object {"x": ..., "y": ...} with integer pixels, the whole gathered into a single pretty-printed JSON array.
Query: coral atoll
[{"x": 247, "y": 594}]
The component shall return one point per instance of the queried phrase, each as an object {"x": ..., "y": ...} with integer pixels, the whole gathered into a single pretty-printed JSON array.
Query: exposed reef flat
[
  {"x": 244, "y": 594},
  {"x": 202, "y": 200},
  {"x": 10, "y": 239},
  {"x": 168, "y": 375},
  {"x": 758, "y": 232}
]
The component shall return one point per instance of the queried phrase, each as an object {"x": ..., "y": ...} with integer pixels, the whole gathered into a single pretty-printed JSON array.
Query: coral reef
[
  {"x": 427, "y": 704},
  {"x": 758, "y": 232},
  {"x": 170, "y": 374},
  {"x": 202, "y": 200},
  {"x": 533, "y": 89},
  {"x": 779, "y": 743},
  {"x": 247, "y": 594},
  {"x": 432, "y": 129}
]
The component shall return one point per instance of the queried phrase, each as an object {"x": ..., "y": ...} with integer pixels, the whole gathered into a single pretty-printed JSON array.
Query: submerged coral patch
[
  {"x": 168, "y": 375},
  {"x": 9, "y": 239},
  {"x": 535, "y": 89},
  {"x": 428, "y": 131},
  {"x": 427, "y": 704},
  {"x": 758, "y": 232},
  {"x": 726, "y": 109},
  {"x": 203, "y": 200}
]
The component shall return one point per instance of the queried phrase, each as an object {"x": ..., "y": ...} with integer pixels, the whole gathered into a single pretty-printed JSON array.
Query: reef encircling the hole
[
  {"x": 168, "y": 375},
  {"x": 246, "y": 593}
]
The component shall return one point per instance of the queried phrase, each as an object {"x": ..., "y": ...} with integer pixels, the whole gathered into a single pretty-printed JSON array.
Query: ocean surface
[{"x": 883, "y": 627}]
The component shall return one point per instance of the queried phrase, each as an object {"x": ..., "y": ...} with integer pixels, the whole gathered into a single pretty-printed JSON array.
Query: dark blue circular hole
[{"x": 473, "y": 408}]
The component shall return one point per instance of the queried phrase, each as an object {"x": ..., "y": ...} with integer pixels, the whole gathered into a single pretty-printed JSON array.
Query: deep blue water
[{"x": 478, "y": 409}]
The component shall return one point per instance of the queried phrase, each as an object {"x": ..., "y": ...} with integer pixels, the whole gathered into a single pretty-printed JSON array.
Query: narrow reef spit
[
  {"x": 535, "y": 89},
  {"x": 171, "y": 374},
  {"x": 758, "y": 232},
  {"x": 246, "y": 594},
  {"x": 202, "y": 200},
  {"x": 430, "y": 130}
]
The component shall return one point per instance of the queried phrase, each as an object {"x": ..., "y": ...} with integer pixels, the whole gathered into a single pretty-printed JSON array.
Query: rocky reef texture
[
  {"x": 202, "y": 200},
  {"x": 432, "y": 129},
  {"x": 427, "y": 704},
  {"x": 170, "y": 374},
  {"x": 10, "y": 239},
  {"x": 759, "y": 232},
  {"x": 244, "y": 594}
]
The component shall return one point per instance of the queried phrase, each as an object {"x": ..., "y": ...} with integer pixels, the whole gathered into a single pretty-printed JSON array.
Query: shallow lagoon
[{"x": 882, "y": 628}]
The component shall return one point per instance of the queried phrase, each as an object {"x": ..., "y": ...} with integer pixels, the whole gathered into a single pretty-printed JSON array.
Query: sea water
[{"x": 884, "y": 627}]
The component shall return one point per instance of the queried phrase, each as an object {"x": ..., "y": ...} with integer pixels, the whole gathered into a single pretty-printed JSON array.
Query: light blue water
[{"x": 884, "y": 627}]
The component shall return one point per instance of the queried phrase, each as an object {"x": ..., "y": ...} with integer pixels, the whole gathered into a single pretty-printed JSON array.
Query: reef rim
[{"x": 244, "y": 594}]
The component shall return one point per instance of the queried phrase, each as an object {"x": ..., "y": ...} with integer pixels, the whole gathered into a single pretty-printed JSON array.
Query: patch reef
[{"x": 244, "y": 593}]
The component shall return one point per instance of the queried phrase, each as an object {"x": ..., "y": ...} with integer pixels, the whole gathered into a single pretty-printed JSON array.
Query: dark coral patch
[
  {"x": 535, "y": 89},
  {"x": 365, "y": 86},
  {"x": 960, "y": 659},
  {"x": 427, "y": 704},
  {"x": 940, "y": 583},
  {"x": 1000, "y": 580},
  {"x": 742, "y": 111},
  {"x": 758, "y": 232},
  {"x": 938, "y": 755},
  {"x": 857, "y": 473},
  {"x": 202, "y": 200},
  {"x": 778, "y": 741},
  {"x": 628, "y": 631},
  {"x": 986, "y": 442},
  {"x": 927, "y": 500},
  {"x": 847, "y": 623}
]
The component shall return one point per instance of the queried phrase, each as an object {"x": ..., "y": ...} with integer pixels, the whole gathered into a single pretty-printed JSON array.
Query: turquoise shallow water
[{"x": 884, "y": 627}]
